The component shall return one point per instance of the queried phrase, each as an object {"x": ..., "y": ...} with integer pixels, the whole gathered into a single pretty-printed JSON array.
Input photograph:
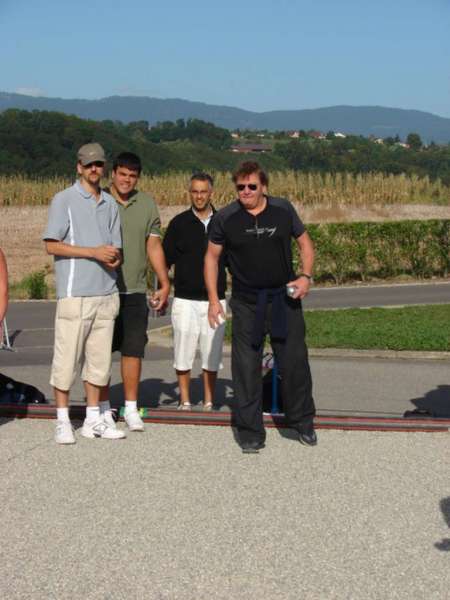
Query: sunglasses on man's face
[
  {"x": 251, "y": 186},
  {"x": 97, "y": 164}
]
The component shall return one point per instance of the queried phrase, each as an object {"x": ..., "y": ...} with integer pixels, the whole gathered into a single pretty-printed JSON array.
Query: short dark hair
[
  {"x": 129, "y": 160},
  {"x": 202, "y": 176},
  {"x": 249, "y": 168}
]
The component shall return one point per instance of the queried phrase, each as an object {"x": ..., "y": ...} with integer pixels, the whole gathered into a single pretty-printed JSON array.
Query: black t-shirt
[{"x": 258, "y": 248}]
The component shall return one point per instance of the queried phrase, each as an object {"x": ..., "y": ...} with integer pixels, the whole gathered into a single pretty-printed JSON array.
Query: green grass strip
[
  {"x": 407, "y": 328},
  {"x": 424, "y": 328}
]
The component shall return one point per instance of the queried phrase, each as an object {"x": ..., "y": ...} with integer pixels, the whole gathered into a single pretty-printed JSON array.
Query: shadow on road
[
  {"x": 436, "y": 402},
  {"x": 156, "y": 392},
  {"x": 444, "y": 544}
]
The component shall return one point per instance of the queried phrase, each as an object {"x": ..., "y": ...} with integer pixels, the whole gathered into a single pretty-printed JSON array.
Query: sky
[{"x": 254, "y": 54}]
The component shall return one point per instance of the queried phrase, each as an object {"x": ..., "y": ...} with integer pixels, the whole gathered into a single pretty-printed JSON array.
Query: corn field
[{"x": 308, "y": 189}]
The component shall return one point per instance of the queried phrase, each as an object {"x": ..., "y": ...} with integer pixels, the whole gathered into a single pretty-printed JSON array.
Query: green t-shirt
[{"x": 139, "y": 219}]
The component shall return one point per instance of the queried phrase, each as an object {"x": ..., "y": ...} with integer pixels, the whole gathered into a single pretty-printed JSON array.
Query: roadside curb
[
  {"x": 162, "y": 337},
  {"x": 225, "y": 419},
  {"x": 382, "y": 354}
]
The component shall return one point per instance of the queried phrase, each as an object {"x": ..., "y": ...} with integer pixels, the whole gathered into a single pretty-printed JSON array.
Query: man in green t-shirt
[{"x": 141, "y": 242}]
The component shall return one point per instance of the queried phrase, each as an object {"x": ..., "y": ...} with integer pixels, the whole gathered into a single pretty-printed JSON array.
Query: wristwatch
[{"x": 309, "y": 277}]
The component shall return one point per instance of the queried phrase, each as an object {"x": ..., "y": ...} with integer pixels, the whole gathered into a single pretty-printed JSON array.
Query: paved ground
[
  {"x": 180, "y": 513},
  {"x": 39, "y": 315}
]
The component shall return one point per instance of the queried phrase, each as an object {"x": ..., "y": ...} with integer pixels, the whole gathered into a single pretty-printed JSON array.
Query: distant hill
[{"x": 358, "y": 120}]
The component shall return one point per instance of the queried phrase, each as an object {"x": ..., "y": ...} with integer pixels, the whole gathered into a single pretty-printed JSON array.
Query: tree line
[
  {"x": 356, "y": 154},
  {"x": 43, "y": 144}
]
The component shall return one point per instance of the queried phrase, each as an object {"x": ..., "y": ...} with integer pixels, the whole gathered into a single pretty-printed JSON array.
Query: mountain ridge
[{"x": 378, "y": 121}]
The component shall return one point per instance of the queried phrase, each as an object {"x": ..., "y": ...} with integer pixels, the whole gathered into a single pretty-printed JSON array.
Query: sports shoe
[
  {"x": 108, "y": 417},
  {"x": 64, "y": 433},
  {"x": 100, "y": 428},
  {"x": 133, "y": 420}
]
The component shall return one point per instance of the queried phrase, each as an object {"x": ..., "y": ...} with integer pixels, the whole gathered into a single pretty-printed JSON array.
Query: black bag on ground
[
  {"x": 267, "y": 393},
  {"x": 16, "y": 392}
]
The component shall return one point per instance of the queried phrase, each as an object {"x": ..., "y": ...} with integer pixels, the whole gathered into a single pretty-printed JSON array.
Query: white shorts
[
  {"x": 83, "y": 337},
  {"x": 190, "y": 326}
]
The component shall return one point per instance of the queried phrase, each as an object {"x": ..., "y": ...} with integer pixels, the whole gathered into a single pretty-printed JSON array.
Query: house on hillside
[
  {"x": 317, "y": 135},
  {"x": 338, "y": 134},
  {"x": 247, "y": 148}
]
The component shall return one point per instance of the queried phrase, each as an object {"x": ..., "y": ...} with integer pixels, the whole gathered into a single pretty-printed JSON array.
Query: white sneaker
[
  {"x": 108, "y": 417},
  {"x": 64, "y": 433},
  {"x": 100, "y": 428},
  {"x": 134, "y": 421}
]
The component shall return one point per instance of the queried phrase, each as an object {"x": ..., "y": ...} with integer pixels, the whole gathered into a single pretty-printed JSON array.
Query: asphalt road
[
  {"x": 39, "y": 315},
  {"x": 30, "y": 323},
  {"x": 342, "y": 385}
]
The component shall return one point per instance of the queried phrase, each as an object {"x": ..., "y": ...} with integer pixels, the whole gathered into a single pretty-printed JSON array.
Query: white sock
[
  {"x": 105, "y": 406},
  {"x": 62, "y": 414},
  {"x": 92, "y": 413},
  {"x": 130, "y": 406}
]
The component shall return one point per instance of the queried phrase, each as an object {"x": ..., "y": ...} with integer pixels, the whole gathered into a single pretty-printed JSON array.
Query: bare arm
[
  {"x": 211, "y": 274},
  {"x": 104, "y": 254},
  {"x": 157, "y": 259},
  {"x": 306, "y": 249},
  {"x": 3, "y": 290}
]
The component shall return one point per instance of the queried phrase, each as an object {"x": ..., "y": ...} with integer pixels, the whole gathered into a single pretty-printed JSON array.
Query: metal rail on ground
[{"x": 224, "y": 419}]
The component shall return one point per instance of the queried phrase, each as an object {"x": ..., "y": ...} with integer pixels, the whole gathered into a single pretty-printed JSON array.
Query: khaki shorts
[
  {"x": 83, "y": 335},
  {"x": 190, "y": 329}
]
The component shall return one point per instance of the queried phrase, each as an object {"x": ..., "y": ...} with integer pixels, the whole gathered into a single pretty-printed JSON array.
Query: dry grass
[{"x": 308, "y": 189}]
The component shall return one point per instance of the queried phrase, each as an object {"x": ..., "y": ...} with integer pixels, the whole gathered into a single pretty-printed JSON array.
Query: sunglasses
[
  {"x": 97, "y": 164},
  {"x": 251, "y": 186}
]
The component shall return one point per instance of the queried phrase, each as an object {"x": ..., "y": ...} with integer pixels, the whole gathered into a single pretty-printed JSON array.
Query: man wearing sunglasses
[
  {"x": 256, "y": 231},
  {"x": 83, "y": 234}
]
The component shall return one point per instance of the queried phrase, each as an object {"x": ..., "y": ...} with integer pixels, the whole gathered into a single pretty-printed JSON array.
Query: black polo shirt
[
  {"x": 258, "y": 248},
  {"x": 185, "y": 244}
]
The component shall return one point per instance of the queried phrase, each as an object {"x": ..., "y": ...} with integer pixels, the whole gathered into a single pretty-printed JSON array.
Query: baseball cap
[{"x": 90, "y": 153}]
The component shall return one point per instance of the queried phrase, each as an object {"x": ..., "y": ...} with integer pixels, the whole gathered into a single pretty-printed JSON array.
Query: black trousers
[{"x": 291, "y": 355}]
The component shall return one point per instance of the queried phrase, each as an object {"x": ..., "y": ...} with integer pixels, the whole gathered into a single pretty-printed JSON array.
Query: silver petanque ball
[{"x": 290, "y": 290}]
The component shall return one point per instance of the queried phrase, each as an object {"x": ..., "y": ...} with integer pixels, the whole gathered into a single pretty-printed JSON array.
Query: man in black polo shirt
[
  {"x": 255, "y": 231},
  {"x": 185, "y": 245}
]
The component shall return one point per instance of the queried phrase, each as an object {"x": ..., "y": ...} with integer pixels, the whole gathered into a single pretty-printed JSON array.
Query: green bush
[
  {"x": 358, "y": 251},
  {"x": 36, "y": 285}
]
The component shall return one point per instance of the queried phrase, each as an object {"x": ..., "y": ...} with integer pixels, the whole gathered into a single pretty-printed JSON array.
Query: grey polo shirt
[{"x": 76, "y": 218}]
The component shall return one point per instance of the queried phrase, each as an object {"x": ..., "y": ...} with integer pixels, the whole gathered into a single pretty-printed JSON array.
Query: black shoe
[
  {"x": 307, "y": 436},
  {"x": 252, "y": 447}
]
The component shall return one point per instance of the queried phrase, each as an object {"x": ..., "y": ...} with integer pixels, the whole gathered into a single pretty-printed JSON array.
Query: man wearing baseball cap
[{"x": 83, "y": 234}]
